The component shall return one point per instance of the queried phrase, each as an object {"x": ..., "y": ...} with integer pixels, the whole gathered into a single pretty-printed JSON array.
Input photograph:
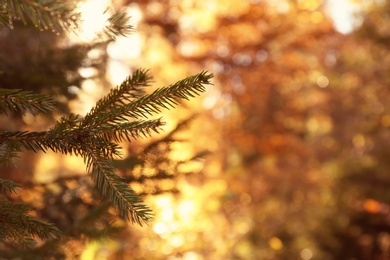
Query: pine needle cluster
[
  {"x": 122, "y": 115},
  {"x": 16, "y": 224},
  {"x": 57, "y": 16},
  {"x": 44, "y": 15}
]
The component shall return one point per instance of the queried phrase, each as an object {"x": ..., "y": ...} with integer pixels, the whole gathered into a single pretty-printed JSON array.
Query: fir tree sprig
[
  {"x": 19, "y": 101},
  {"x": 115, "y": 118},
  {"x": 123, "y": 107},
  {"x": 130, "y": 89},
  {"x": 167, "y": 97},
  {"x": 123, "y": 115},
  {"x": 121, "y": 196},
  {"x": 57, "y": 16},
  {"x": 118, "y": 24},
  {"x": 8, "y": 187},
  {"x": 128, "y": 131},
  {"x": 16, "y": 224},
  {"x": 71, "y": 140},
  {"x": 8, "y": 152},
  {"x": 66, "y": 142},
  {"x": 45, "y": 15}
]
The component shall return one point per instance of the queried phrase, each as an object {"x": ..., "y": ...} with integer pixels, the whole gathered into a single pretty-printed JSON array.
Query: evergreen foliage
[
  {"x": 96, "y": 136},
  {"x": 122, "y": 115},
  {"x": 16, "y": 224},
  {"x": 56, "y": 16},
  {"x": 19, "y": 226},
  {"x": 45, "y": 15},
  {"x": 18, "y": 100}
]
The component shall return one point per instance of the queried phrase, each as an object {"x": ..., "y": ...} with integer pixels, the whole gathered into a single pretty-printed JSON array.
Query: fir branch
[
  {"x": 147, "y": 105},
  {"x": 118, "y": 24},
  {"x": 121, "y": 196},
  {"x": 43, "y": 14},
  {"x": 130, "y": 89},
  {"x": 16, "y": 224},
  {"x": 167, "y": 97},
  {"x": 69, "y": 139},
  {"x": 8, "y": 187},
  {"x": 8, "y": 151},
  {"x": 128, "y": 130},
  {"x": 65, "y": 141},
  {"x": 95, "y": 137},
  {"x": 29, "y": 140},
  {"x": 16, "y": 101}
]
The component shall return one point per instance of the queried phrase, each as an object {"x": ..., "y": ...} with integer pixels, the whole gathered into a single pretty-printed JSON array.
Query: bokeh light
[{"x": 294, "y": 128}]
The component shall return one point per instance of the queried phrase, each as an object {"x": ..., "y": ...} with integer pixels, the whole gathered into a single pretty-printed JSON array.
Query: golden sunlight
[
  {"x": 269, "y": 124},
  {"x": 94, "y": 15}
]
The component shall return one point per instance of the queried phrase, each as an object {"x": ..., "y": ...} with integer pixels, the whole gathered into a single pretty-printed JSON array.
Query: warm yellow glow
[
  {"x": 160, "y": 228},
  {"x": 88, "y": 72},
  {"x": 126, "y": 47},
  {"x": 50, "y": 166},
  {"x": 159, "y": 52},
  {"x": 88, "y": 95},
  {"x": 191, "y": 48},
  {"x": 322, "y": 81},
  {"x": 319, "y": 124},
  {"x": 94, "y": 16},
  {"x": 244, "y": 249},
  {"x": 99, "y": 249},
  {"x": 275, "y": 243},
  {"x": 186, "y": 209},
  {"x": 309, "y": 4},
  {"x": 359, "y": 140},
  {"x": 223, "y": 7},
  {"x": 134, "y": 11},
  {"x": 342, "y": 13},
  {"x": 281, "y": 6},
  {"x": 45, "y": 167},
  {"x": 163, "y": 201},
  {"x": 198, "y": 20},
  {"x": 306, "y": 254},
  {"x": 317, "y": 17},
  {"x": 192, "y": 256},
  {"x": 117, "y": 72}
]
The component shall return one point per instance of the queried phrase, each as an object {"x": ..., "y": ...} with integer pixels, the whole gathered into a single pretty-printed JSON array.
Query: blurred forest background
[{"x": 296, "y": 128}]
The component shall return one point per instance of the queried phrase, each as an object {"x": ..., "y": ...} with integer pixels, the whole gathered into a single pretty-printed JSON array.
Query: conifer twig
[
  {"x": 118, "y": 24},
  {"x": 124, "y": 107},
  {"x": 115, "y": 118},
  {"x": 7, "y": 186},
  {"x": 121, "y": 196},
  {"x": 45, "y": 15},
  {"x": 15, "y": 223},
  {"x": 19, "y": 101}
]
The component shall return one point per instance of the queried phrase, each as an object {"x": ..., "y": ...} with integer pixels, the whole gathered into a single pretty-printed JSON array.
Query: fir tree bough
[
  {"x": 45, "y": 15},
  {"x": 57, "y": 16},
  {"x": 122, "y": 115}
]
